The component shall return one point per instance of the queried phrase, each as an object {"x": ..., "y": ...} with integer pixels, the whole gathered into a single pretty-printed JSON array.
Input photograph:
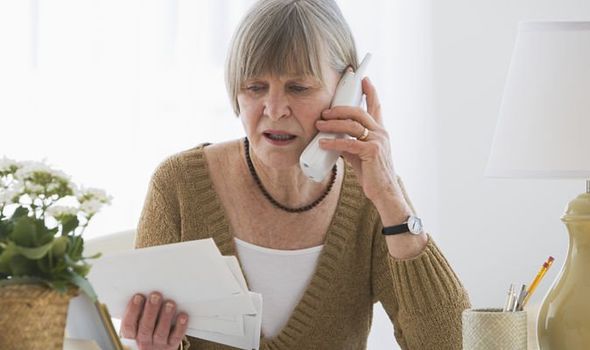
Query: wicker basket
[
  {"x": 32, "y": 317},
  {"x": 492, "y": 329}
]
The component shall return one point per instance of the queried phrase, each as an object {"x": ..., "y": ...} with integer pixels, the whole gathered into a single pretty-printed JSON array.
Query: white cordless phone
[{"x": 316, "y": 162}]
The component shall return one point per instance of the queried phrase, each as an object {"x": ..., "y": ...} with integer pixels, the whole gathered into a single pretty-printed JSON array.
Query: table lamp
[{"x": 543, "y": 131}]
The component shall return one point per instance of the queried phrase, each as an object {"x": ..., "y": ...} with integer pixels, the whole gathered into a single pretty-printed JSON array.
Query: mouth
[{"x": 278, "y": 135}]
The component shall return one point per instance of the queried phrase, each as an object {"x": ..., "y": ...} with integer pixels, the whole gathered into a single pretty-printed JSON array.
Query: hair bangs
[{"x": 293, "y": 50}]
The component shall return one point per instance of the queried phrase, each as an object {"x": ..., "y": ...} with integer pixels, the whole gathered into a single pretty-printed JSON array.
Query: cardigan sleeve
[
  {"x": 159, "y": 222},
  {"x": 422, "y": 296}
]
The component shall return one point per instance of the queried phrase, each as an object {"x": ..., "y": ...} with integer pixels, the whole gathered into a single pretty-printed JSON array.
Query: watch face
[{"x": 415, "y": 225}]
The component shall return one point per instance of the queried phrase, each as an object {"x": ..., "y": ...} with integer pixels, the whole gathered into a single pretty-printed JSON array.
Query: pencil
[{"x": 546, "y": 265}]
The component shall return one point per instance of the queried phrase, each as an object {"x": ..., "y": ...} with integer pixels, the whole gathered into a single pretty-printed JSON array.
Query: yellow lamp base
[{"x": 564, "y": 316}]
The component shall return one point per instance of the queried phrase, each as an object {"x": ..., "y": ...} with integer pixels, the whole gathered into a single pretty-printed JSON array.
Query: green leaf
[
  {"x": 43, "y": 265},
  {"x": 59, "y": 267},
  {"x": 60, "y": 286},
  {"x": 76, "y": 247},
  {"x": 82, "y": 269},
  {"x": 5, "y": 228},
  {"x": 25, "y": 231},
  {"x": 20, "y": 212},
  {"x": 95, "y": 256},
  {"x": 83, "y": 284},
  {"x": 34, "y": 253},
  {"x": 59, "y": 246},
  {"x": 69, "y": 225},
  {"x": 22, "y": 266},
  {"x": 6, "y": 257},
  {"x": 44, "y": 235}
]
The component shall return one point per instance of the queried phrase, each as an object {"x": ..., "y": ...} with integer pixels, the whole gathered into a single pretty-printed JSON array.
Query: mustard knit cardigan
[{"x": 422, "y": 296}]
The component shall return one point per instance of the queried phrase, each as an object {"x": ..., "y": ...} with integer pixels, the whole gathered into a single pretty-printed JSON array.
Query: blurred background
[{"x": 106, "y": 90}]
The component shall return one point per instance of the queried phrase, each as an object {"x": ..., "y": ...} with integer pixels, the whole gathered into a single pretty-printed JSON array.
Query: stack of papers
[{"x": 208, "y": 286}]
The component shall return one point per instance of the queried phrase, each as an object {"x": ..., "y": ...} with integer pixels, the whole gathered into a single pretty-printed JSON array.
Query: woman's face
[{"x": 279, "y": 114}]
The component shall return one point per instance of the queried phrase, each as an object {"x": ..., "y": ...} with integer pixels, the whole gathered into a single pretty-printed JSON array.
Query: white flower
[
  {"x": 91, "y": 207},
  {"x": 27, "y": 169},
  {"x": 89, "y": 194},
  {"x": 6, "y": 164},
  {"x": 18, "y": 187},
  {"x": 7, "y": 197},
  {"x": 58, "y": 211},
  {"x": 32, "y": 187}
]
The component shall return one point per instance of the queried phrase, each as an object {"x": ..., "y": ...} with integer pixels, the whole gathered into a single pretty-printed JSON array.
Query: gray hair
[{"x": 288, "y": 37}]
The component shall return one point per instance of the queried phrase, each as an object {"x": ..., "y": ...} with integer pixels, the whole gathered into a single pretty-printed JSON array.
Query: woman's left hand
[{"x": 371, "y": 158}]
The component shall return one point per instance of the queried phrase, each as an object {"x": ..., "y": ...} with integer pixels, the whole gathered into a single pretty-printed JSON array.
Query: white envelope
[
  {"x": 252, "y": 326},
  {"x": 226, "y": 324},
  {"x": 250, "y": 340},
  {"x": 208, "y": 286}
]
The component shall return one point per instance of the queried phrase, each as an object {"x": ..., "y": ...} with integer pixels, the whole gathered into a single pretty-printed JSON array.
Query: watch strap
[{"x": 394, "y": 230}]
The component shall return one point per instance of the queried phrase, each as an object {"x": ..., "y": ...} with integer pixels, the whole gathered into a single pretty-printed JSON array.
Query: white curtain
[{"x": 105, "y": 90}]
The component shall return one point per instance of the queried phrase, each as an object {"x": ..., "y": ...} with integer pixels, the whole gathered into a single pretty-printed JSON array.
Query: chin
[{"x": 278, "y": 157}]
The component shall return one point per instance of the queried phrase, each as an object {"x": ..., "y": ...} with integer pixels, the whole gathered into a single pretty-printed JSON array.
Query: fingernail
[
  {"x": 182, "y": 319},
  {"x": 137, "y": 299},
  {"x": 169, "y": 306},
  {"x": 321, "y": 121},
  {"x": 327, "y": 111},
  {"x": 154, "y": 298}
]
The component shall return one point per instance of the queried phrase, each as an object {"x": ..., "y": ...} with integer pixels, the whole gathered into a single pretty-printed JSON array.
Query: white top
[{"x": 281, "y": 276}]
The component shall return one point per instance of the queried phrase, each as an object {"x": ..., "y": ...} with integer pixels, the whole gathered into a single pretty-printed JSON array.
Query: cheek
[
  {"x": 249, "y": 109},
  {"x": 312, "y": 110}
]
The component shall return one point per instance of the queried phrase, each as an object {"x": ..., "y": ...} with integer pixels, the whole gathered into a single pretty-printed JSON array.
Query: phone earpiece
[{"x": 316, "y": 162}]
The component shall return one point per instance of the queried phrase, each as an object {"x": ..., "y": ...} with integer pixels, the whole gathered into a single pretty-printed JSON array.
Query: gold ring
[{"x": 364, "y": 136}]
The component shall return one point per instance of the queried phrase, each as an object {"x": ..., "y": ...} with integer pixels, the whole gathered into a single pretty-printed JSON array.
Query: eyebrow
[{"x": 289, "y": 80}]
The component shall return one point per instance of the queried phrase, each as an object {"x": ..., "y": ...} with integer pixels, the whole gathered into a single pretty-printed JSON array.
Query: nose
[{"x": 276, "y": 105}]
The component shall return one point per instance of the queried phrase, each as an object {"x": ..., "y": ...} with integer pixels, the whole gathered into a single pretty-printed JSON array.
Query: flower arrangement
[{"x": 42, "y": 218}]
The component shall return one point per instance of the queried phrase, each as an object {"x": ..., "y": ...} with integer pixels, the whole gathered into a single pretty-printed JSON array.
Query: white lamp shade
[{"x": 543, "y": 129}]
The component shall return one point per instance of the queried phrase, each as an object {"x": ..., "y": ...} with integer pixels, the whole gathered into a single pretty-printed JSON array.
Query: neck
[{"x": 288, "y": 185}]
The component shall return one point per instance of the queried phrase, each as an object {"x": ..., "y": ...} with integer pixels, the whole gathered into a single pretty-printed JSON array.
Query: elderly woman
[{"x": 321, "y": 254}]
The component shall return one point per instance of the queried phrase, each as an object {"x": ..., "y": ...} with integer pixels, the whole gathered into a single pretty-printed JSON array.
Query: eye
[
  {"x": 298, "y": 88},
  {"x": 255, "y": 87}
]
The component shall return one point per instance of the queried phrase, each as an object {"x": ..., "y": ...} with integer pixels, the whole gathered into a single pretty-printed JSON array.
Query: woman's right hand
[{"x": 151, "y": 322}]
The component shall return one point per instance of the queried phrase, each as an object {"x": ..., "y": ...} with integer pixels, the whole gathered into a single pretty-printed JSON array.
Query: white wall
[{"x": 494, "y": 231}]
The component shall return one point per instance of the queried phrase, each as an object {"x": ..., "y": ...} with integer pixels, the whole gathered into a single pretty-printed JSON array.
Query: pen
[
  {"x": 514, "y": 301},
  {"x": 508, "y": 305},
  {"x": 546, "y": 265},
  {"x": 520, "y": 299}
]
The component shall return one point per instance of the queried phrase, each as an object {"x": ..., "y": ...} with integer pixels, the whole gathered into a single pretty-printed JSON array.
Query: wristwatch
[{"x": 412, "y": 225}]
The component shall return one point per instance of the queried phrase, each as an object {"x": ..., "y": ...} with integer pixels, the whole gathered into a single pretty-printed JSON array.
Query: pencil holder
[{"x": 493, "y": 329}]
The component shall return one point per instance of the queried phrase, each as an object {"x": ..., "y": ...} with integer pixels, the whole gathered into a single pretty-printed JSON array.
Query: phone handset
[{"x": 316, "y": 162}]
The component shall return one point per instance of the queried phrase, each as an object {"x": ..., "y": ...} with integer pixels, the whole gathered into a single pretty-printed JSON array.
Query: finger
[
  {"x": 373, "y": 104},
  {"x": 353, "y": 146},
  {"x": 348, "y": 126},
  {"x": 348, "y": 112},
  {"x": 179, "y": 330},
  {"x": 131, "y": 316},
  {"x": 148, "y": 319},
  {"x": 164, "y": 324}
]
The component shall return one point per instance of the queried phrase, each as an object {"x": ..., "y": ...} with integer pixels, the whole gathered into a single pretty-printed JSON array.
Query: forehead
[
  {"x": 289, "y": 58},
  {"x": 285, "y": 78},
  {"x": 325, "y": 75}
]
